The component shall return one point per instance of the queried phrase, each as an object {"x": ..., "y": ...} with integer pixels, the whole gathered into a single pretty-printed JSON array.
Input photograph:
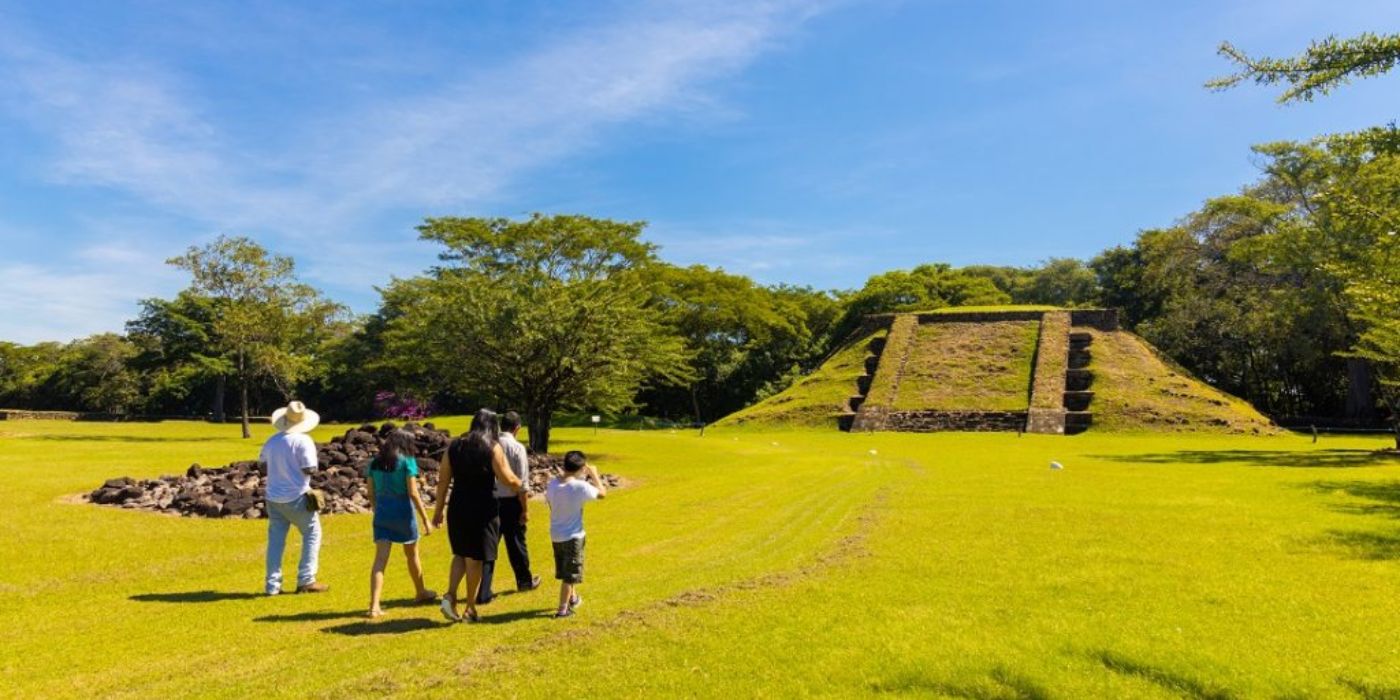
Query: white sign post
[{"x": 596, "y": 421}]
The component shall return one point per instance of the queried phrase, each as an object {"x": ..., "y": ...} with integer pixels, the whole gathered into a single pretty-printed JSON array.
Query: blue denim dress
[{"x": 394, "y": 519}]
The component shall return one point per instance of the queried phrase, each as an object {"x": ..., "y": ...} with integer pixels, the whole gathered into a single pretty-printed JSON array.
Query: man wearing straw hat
[{"x": 290, "y": 457}]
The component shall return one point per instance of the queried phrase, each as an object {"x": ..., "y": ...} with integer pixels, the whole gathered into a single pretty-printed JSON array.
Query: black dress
[{"x": 473, "y": 522}]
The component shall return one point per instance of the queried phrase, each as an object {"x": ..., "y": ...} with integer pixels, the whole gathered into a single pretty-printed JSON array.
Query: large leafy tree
[
  {"x": 1325, "y": 65},
  {"x": 267, "y": 326},
  {"x": 546, "y": 314},
  {"x": 739, "y": 336}
]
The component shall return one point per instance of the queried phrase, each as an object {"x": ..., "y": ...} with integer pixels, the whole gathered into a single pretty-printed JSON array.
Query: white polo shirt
[{"x": 287, "y": 455}]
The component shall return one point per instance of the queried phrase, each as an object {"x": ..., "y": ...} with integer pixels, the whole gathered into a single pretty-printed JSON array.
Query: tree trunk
[
  {"x": 219, "y": 385},
  {"x": 243, "y": 396},
  {"x": 695, "y": 401},
  {"x": 1361, "y": 404},
  {"x": 539, "y": 431}
]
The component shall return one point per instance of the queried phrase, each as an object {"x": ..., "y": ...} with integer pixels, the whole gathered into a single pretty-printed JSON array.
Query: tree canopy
[{"x": 545, "y": 314}]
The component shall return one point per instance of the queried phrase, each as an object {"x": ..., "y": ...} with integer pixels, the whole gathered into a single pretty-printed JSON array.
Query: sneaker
[
  {"x": 449, "y": 610},
  {"x": 532, "y": 585},
  {"x": 313, "y": 587}
]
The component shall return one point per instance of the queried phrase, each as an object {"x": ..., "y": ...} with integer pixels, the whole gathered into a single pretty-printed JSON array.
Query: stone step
[
  {"x": 1079, "y": 379},
  {"x": 1077, "y": 422},
  {"x": 871, "y": 363},
  {"x": 1081, "y": 338},
  {"x": 863, "y": 383},
  {"x": 1079, "y": 359},
  {"x": 855, "y": 401},
  {"x": 877, "y": 345},
  {"x": 845, "y": 420},
  {"x": 1078, "y": 400}
]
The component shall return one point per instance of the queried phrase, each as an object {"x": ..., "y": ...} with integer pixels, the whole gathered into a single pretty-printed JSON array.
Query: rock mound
[{"x": 237, "y": 490}]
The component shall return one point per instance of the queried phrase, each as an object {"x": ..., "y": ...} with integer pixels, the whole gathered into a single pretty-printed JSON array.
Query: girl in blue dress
[{"x": 393, "y": 493}]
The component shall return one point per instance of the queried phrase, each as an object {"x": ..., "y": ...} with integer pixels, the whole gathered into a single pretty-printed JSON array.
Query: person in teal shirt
[{"x": 393, "y": 493}]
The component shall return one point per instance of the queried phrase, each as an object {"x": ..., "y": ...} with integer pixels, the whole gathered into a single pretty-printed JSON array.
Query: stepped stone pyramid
[
  {"x": 1034, "y": 370},
  {"x": 1054, "y": 398}
]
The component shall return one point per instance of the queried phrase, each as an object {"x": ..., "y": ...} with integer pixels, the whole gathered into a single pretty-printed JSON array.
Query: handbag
[{"x": 315, "y": 500}]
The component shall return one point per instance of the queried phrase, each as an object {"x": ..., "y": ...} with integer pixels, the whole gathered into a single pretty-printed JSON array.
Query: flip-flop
[
  {"x": 427, "y": 597},
  {"x": 567, "y": 612},
  {"x": 374, "y": 614},
  {"x": 472, "y": 616}
]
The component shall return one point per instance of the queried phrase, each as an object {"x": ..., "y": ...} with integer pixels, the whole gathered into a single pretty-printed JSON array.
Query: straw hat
[{"x": 295, "y": 418}]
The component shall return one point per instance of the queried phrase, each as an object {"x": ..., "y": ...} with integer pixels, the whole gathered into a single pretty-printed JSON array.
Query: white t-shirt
[
  {"x": 286, "y": 455},
  {"x": 517, "y": 460},
  {"x": 566, "y": 499}
]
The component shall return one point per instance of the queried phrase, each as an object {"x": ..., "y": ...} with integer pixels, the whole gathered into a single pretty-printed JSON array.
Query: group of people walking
[{"x": 482, "y": 497}]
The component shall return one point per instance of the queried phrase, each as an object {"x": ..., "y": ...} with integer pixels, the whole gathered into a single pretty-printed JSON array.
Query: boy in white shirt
[{"x": 566, "y": 496}]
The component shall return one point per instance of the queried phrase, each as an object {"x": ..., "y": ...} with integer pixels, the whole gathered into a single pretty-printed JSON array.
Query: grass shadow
[
  {"x": 372, "y": 627},
  {"x": 195, "y": 597},
  {"x": 999, "y": 684},
  {"x": 1370, "y": 691},
  {"x": 504, "y": 618},
  {"x": 1167, "y": 679},
  {"x": 1375, "y": 499},
  {"x": 1291, "y": 459},
  {"x": 326, "y": 615}
]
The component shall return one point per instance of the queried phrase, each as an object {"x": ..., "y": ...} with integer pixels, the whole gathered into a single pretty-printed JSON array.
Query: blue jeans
[{"x": 280, "y": 519}]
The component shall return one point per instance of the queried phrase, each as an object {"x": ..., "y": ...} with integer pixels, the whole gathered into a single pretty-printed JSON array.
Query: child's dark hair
[
  {"x": 397, "y": 443},
  {"x": 574, "y": 461},
  {"x": 510, "y": 420}
]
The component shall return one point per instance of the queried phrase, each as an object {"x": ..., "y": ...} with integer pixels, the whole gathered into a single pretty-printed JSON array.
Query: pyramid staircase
[
  {"x": 845, "y": 419},
  {"x": 1078, "y": 382}
]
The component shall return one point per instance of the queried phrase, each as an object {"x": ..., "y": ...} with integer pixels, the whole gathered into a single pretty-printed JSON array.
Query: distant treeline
[{"x": 1251, "y": 293}]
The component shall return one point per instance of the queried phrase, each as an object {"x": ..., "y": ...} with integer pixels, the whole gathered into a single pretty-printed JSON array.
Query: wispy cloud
[
  {"x": 140, "y": 129},
  {"x": 148, "y": 131}
]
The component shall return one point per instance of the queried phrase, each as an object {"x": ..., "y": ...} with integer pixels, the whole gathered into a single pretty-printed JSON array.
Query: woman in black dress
[{"x": 473, "y": 464}]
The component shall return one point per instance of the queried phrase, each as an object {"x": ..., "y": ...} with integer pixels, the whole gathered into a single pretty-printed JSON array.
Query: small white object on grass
[
  {"x": 873, "y": 452},
  {"x": 1056, "y": 465},
  {"x": 775, "y": 444}
]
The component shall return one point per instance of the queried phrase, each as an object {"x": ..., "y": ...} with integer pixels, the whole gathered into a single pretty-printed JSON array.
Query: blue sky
[{"x": 806, "y": 142}]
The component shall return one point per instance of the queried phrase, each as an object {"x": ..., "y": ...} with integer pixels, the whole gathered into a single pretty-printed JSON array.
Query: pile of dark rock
[{"x": 237, "y": 490}]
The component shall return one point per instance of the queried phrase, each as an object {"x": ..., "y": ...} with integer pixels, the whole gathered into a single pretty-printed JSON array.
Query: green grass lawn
[{"x": 749, "y": 563}]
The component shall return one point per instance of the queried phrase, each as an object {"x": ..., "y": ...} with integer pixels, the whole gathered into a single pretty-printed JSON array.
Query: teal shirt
[{"x": 394, "y": 483}]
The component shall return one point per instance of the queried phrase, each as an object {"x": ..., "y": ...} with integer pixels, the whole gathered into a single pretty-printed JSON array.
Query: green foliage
[
  {"x": 548, "y": 314},
  {"x": 1325, "y": 65},
  {"x": 264, "y": 324},
  {"x": 1057, "y": 282},
  {"x": 740, "y": 337}
]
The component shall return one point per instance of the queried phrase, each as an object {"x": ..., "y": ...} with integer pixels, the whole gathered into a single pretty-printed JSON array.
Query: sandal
[
  {"x": 566, "y": 612},
  {"x": 428, "y": 596},
  {"x": 472, "y": 615},
  {"x": 374, "y": 614}
]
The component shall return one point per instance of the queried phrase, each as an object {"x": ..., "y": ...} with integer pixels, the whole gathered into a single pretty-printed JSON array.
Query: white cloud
[
  {"x": 63, "y": 302},
  {"x": 143, "y": 129}
]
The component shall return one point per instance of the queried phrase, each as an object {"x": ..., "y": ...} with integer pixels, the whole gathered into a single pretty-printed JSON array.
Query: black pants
[{"x": 513, "y": 534}]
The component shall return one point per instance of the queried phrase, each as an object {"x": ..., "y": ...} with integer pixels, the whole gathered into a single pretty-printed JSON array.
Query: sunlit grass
[{"x": 752, "y": 563}]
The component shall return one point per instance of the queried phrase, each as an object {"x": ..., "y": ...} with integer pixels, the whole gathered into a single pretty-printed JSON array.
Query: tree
[
  {"x": 267, "y": 324},
  {"x": 1324, "y": 66},
  {"x": 926, "y": 287},
  {"x": 735, "y": 332},
  {"x": 546, "y": 314},
  {"x": 178, "y": 353}
]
